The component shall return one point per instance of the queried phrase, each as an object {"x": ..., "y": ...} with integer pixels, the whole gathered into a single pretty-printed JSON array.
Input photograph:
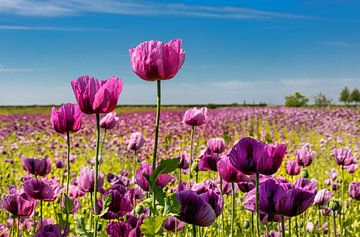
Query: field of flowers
[{"x": 84, "y": 170}]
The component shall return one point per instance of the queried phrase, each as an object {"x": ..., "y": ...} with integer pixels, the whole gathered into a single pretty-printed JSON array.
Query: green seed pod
[
  {"x": 334, "y": 205},
  {"x": 139, "y": 209},
  {"x": 195, "y": 166},
  {"x": 246, "y": 224},
  {"x": 304, "y": 173}
]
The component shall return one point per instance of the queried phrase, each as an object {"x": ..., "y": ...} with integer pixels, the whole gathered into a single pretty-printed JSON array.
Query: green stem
[
  {"x": 194, "y": 230},
  {"x": 296, "y": 227},
  {"x": 257, "y": 204},
  {"x": 191, "y": 149},
  {"x": 18, "y": 228},
  {"x": 232, "y": 209},
  {"x": 289, "y": 226},
  {"x": 222, "y": 214},
  {"x": 41, "y": 216},
  {"x": 282, "y": 226},
  {"x": 334, "y": 223},
  {"x": 252, "y": 223},
  {"x": 342, "y": 216},
  {"x": 68, "y": 173},
  {"x": 134, "y": 164},
  {"x": 157, "y": 123},
  {"x": 96, "y": 172}
]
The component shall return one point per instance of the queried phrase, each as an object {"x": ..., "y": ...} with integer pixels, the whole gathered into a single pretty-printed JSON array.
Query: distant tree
[
  {"x": 296, "y": 100},
  {"x": 345, "y": 95},
  {"x": 321, "y": 100},
  {"x": 355, "y": 96}
]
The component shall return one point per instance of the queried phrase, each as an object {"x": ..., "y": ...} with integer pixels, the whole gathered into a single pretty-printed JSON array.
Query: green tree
[
  {"x": 321, "y": 100},
  {"x": 355, "y": 96},
  {"x": 345, "y": 95},
  {"x": 296, "y": 100}
]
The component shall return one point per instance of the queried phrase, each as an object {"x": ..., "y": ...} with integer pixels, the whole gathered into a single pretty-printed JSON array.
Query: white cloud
[{"x": 56, "y": 8}]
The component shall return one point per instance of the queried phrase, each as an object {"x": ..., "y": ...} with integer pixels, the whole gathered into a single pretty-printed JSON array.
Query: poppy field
[{"x": 96, "y": 169}]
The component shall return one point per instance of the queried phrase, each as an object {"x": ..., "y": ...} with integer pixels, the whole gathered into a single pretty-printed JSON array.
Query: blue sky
[{"x": 235, "y": 50}]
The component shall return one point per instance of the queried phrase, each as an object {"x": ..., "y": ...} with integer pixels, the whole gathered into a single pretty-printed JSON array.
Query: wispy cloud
[
  {"x": 57, "y": 8},
  {"x": 341, "y": 44},
  {"x": 5, "y": 69},
  {"x": 48, "y": 28}
]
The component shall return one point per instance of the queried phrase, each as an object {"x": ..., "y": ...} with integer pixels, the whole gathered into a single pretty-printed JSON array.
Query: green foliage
[
  {"x": 296, "y": 100},
  {"x": 321, "y": 100},
  {"x": 106, "y": 203},
  {"x": 80, "y": 227},
  {"x": 152, "y": 225},
  {"x": 345, "y": 95},
  {"x": 69, "y": 205},
  {"x": 355, "y": 96}
]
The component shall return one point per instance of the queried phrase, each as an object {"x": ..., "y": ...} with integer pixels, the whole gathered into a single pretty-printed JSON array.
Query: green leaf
[
  {"x": 69, "y": 205},
  {"x": 165, "y": 167},
  {"x": 80, "y": 227},
  {"x": 106, "y": 203},
  {"x": 152, "y": 225},
  {"x": 60, "y": 219},
  {"x": 172, "y": 206}
]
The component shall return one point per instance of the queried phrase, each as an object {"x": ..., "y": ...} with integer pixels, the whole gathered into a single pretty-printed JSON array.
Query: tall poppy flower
[{"x": 68, "y": 118}]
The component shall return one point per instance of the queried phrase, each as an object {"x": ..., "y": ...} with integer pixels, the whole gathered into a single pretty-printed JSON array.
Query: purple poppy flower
[
  {"x": 118, "y": 229},
  {"x": 18, "y": 204},
  {"x": 59, "y": 164},
  {"x": 194, "y": 209},
  {"x": 208, "y": 161},
  {"x": 216, "y": 145},
  {"x": 67, "y": 119},
  {"x": 246, "y": 184},
  {"x": 306, "y": 184},
  {"x": 154, "y": 60},
  {"x": 354, "y": 190},
  {"x": 195, "y": 117},
  {"x": 86, "y": 180},
  {"x": 343, "y": 156},
  {"x": 294, "y": 202},
  {"x": 42, "y": 189},
  {"x": 40, "y": 167},
  {"x": 49, "y": 231},
  {"x": 251, "y": 156},
  {"x": 4, "y": 231},
  {"x": 228, "y": 172},
  {"x": 304, "y": 156},
  {"x": 136, "y": 141},
  {"x": 146, "y": 168},
  {"x": 120, "y": 202},
  {"x": 173, "y": 224},
  {"x": 322, "y": 197},
  {"x": 109, "y": 120},
  {"x": 184, "y": 161},
  {"x": 96, "y": 96},
  {"x": 292, "y": 167}
]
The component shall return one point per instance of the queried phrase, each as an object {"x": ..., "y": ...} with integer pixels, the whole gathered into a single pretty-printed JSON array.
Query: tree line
[{"x": 321, "y": 100}]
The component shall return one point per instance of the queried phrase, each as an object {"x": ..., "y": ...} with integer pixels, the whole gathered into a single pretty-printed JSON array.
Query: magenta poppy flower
[
  {"x": 118, "y": 229},
  {"x": 109, "y": 120},
  {"x": 173, "y": 224},
  {"x": 251, "y": 156},
  {"x": 354, "y": 190},
  {"x": 245, "y": 184},
  {"x": 154, "y": 60},
  {"x": 343, "y": 156},
  {"x": 304, "y": 156},
  {"x": 49, "y": 231},
  {"x": 194, "y": 209},
  {"x": 228, "y": 172},
  {"x": 136, "y": 141},
  {"x": 40, "y": 167},
  {"x": 42, "y": 189},
  {"x": 292, "y": 167},
  {"x": 96, "y": 96},
  {"x": 18, "y": 204},
  {"x": 59, "y": 164},
  {"x": 184, "y": 161},
  {"x": 67, "y": 119},
  {"x": 195, "y": 117},
  {"x": 86, "y": 180},
  {"x": 216, "y": 145},
  {"x": 306, "y": 184},
  {"x": 4, "y": 231},
  {"x": 146, "y": 168},
  {"x": 208, "y": 161},
  {"x": 294, "y": 202}
]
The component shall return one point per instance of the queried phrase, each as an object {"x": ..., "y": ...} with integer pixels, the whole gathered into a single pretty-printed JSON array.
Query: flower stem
[
  {"x": 282, "y": 226},
  {"x": 194, "y": 230},
  {"x": 257, "y": 204},
  {"x": 232, "y": 209},
  {"x": 18, "y": 228},
  {"x": 191, "y": 150},
  {"x": 96, "y": 172},
  {"x": 289, "y": 226},
  {"x": 41, "y": 204},
  {"x": 296, "y": 227},
  {"x": 334, "y": 223},
  {"x": 68, "y": 173}
]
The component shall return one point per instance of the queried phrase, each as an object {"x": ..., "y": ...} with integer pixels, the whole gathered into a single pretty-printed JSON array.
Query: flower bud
[{"x": 304, "y": 174}]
